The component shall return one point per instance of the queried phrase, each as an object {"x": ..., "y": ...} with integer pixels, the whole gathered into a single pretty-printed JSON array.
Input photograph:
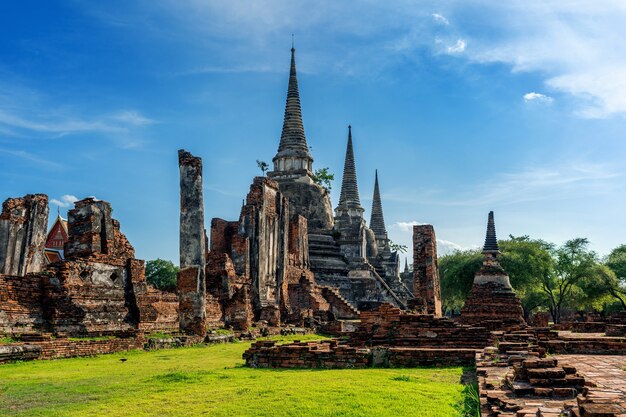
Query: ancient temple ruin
[
  {"x": 345, "y": 254},
  {"x": 492, "y": 302},
  {"x": 99, "y": 288}
]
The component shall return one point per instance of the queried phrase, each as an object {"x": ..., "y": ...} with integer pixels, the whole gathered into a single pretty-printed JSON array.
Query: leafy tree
[
  {"x": 574, "y": 264},
  {"x": 457, "y": 272},
  {"x": 324, "y": 178},
  {"x": 616, "y": 283},
  {"x": 527, "y": 262},
  {"x": 162, "y": 274},
  {"x": 263, "y": 166}
]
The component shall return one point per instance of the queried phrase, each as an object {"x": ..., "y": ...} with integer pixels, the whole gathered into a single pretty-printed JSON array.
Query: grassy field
[{"x": 211, "y": 381}]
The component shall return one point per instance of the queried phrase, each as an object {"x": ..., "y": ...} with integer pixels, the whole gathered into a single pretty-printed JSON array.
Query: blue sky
[{"x": 462, "y": 106}]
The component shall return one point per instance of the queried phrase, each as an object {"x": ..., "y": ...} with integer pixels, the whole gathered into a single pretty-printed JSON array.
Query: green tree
[
  {"x": 574, "y": 265},
  {"x": 616, "y": 283},
  {"x": 527, "y": 262},
  {"x": 457, "y": 272},
  {"x": 162, "y": 274},
  {"x": 324, "y": 178}
]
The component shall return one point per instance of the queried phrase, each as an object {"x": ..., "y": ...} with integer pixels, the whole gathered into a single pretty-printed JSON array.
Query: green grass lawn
[{"x": 210, "y": 380}]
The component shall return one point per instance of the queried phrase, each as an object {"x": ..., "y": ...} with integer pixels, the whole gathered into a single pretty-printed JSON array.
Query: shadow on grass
[{"x": 470, "y": 405}]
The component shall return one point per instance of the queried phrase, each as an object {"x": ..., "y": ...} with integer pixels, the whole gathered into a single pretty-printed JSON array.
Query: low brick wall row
[
  {"x": 586, "y": 346},
  {"x": 331, "y": 354},
  {"x": 65, "y": 348}
]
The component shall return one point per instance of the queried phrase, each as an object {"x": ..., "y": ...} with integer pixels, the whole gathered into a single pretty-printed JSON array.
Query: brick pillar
[
  {"x": 23, "y": 225},
  {"x": 426, "y": 287},
  {"x": 191, "y": 282}
]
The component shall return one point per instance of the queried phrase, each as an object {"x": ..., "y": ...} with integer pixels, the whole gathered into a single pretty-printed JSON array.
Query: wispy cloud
[
  {"x": 542, "y": 183},
  {"x": 25, "y": 112},
  {"x": 32, "y": 158},
  {"x": 458, "y": 47},
  {"x": 570, "y": 44},
  {"x": 528, "y": 97},
  {"x": 439, "y": 18},
  {"x": 64, "y": 201}
]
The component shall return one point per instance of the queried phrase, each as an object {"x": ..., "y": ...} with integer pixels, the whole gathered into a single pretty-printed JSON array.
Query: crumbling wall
[
  {"x": 20, "y": 304},
  {"x": 264, "y": 221},
  {"x": 191, "y": 278},
  {"x": 23, "y": 226},
  {"x": 426, "y": 288}
]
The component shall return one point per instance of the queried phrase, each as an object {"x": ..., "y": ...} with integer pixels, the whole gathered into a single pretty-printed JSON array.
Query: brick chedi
[
  {"x": 492, "y": 302},
  {"x": 23, "y": 225},
  {"x": 426, "y": 286},
  {"x": 191, "y": 284}
]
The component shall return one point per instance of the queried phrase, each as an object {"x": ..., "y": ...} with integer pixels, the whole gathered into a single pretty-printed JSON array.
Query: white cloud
[
  {"x": 458, "y": 47},
  {"x": 65, "y": 201},
  {"x": 25, "y": 112},
  {"x": 439, "y": 18},
  {"x": 446, "y": 247},
  {"x": 573, "y": 45},
  {"x": 406, "y": 226},
  {"x": 528, "y": 97}
]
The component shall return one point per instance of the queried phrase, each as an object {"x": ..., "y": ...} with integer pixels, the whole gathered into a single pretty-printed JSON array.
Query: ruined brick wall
[
  {"x": 298, "y": 247},
  {"x": 86, "y": 297},
  {"x": 426, "y": 288},
  {"x": 21, "y": 304},
  {"x": 158, "y": 311},
  {"x": 388, "y": 325},
  {"x": 264, "y": 220},
  {"x": 191, "y": 282},
  {"x": 23, "y": 227}
]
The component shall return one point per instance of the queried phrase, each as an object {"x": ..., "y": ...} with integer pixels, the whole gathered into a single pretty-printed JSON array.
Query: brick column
[
  {"x": 191, "y": 282},
  {"x": 426, "y": 287}
]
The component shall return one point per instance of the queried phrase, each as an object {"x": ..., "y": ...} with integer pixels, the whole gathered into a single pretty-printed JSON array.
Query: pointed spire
[
  {"x": 406, "y": 265},
  {"x": 491, "y": 241},
  {"x": 292, "y": 140},
  {"x": 349, "y": 197},
  {"x": 377, "y": 221}
]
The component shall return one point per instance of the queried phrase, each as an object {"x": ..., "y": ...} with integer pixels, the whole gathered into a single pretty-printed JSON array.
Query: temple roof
[
  {"x": 491, "y": 241},
  {"x": 292, "y": 140},
  {"x": 377, "y": 221},
  {"x": 349, "y": 197}
]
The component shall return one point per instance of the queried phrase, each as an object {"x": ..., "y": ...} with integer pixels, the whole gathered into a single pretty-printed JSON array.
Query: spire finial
[
  {"x": 377, "y": 220},
  {"x": 349, "y": 197},
  {"x": 491, "y": 241},
  {"x": 293, "y": 43},
  {"x": 292, "y": 139}
]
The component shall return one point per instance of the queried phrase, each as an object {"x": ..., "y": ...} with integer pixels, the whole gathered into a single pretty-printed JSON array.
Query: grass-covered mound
[{"x": 210, "y": 380}]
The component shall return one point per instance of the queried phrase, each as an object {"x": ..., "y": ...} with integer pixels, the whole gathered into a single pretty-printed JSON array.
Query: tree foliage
[
  {"x": 323, "y": 177},
  {"x": 555, "y": 279},
  {"x": 162, "y": 274},
  {"x": 616, "y": 282}
]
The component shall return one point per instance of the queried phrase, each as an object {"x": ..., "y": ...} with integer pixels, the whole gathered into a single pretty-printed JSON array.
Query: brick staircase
[{"x": 341, "y": 307}]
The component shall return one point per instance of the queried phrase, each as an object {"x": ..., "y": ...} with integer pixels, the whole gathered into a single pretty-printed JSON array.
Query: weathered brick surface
[
  {"x": 23, "y": 225},
  {"x": 191, "y": 284},
  {"x": 21, "y": 304},
  {"x": 331, "y": 354},
  {"x": 388, "y": 325},
  {"x": 493, "y": 304},
  {"x": 426, "y": 288}
]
